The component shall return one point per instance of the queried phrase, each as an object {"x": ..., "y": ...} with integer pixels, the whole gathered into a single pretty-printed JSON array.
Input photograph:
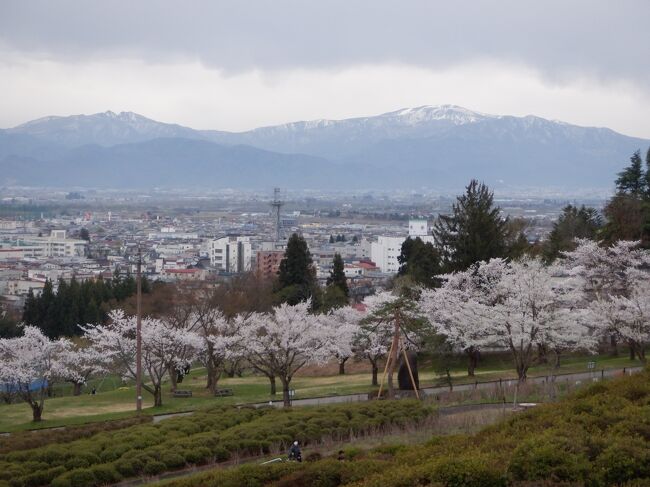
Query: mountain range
[{"x": 439, "y": 147}]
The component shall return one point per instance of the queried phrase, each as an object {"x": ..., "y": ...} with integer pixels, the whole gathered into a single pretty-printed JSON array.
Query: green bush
[
  {"x": 81, "y": 477},
  {"x": 549, "y": 458},
  {"x": 154, "y": 467},
  {"x": 470, "y": 471},
  {"x": 105, "y": 474},
  {"x": 172, "y": 460}
]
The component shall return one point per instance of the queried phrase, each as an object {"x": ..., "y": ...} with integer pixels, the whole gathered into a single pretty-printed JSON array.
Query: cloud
[{"x": 561, "y": 39}]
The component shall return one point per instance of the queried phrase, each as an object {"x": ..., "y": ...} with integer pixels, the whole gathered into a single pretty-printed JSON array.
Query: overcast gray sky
[{"x": 241, "y": 64}]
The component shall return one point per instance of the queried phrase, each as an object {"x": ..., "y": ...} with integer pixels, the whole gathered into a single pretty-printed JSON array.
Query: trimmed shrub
[
  {"x": 105, "y": 474},
  {"x": 154, "y": 467},
  {"x": 172, "y": 460}
]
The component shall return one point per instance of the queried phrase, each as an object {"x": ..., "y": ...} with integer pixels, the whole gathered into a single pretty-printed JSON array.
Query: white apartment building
[
  {"x": 385, "y": 251},
  {"x": 231, "y": 254}
]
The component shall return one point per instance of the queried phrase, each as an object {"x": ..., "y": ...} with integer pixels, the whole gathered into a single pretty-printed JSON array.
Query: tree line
[{"x": 59, "y": 313}]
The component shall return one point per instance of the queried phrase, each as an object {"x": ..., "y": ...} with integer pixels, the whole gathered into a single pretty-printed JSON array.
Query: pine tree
[
  {"x": 420, "y": 261},
  {"x": 473, "y": 232},
  {"x": 47, "y": 321},
  {"x": 628, "y": 212},
  {"x": 297, "y": 276},
  {"x": 337, "y": 276},
  {"x": 631, "y": 180},
  {"x": 647, "y": 175},
  {"x": 573, "y": 223}
]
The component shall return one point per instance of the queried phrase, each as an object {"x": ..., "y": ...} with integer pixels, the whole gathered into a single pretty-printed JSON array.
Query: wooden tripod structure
[{"x": 396, "y": 345}]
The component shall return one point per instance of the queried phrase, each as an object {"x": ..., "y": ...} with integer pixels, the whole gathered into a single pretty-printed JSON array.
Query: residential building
[
  {"x": 267, "y": 263},
  {"x": 231, "y": 254}
]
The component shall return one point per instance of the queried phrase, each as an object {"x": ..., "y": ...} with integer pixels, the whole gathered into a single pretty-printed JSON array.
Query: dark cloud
[{"x": 561, "y": 38}]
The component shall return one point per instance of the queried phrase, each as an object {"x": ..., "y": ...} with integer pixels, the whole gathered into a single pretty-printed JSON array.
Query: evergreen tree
[
  {"x": 297, "y": 276},
  {"x": 337, "y": 276},
  {"x": 573, "y": 223},
  {"x": 332, "y": 239},
  {"x": 84, "y": 235},
  {"x": 47, "y": 319},
  {"x": 420, "y": 261},
  {"x": 628, "y": 212},
  {"x": 631, "y": 180},
  {"x": 647, "y": 175},
  {"x": 473, "y": 232}
]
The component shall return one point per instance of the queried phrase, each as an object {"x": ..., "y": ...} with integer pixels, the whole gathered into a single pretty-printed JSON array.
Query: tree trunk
[
  {"x": 557, "y": 360},
  {"x": 632, "y": 351},
  {"x": 342, "y": 365},
  {"x": 173, "y": 378},
  {"x": 213, "y": 378},
  {"x": 286, "y": 399},
  {"x": 375, "y": 372},
  {"x": 542, "y": 354},
  {"x": 522, "y": 371},
  {"x": 76, "y": 391},
  {"x": 37, "y": 411},
  {"x": 273, "y": 386},
  {"x": 640, "y": 351},
  {"x": 157, "y": 396},
  {"x": 393, "y": 360},
  {"x": 613, "y": 343},
  {"x": 472, "y": 355}
]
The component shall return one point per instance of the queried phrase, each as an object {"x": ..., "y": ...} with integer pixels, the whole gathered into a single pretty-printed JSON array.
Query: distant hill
[{"x": 431, "y": 146}]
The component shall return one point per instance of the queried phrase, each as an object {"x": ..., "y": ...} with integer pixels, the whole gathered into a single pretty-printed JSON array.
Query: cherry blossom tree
[
  {"x": 30, "y": 363},
  {"x": 344, "y": 323},
  {"x": 372, "y": 341},
  {"x": 628, "y": 316},
  {"x": 281, "y": 342},
  {"x": 447, "y": 307},
  {"x": 163, "y": 346},
  {"x": 615, "y": 280},
  {"x": 221, "y": 338},
  {"x": 512, "y": 305},
  {"x": 82, "y": 363}
]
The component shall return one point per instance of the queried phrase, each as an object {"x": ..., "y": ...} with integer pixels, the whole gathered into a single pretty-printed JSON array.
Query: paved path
[{"x": 577, "y": 378}]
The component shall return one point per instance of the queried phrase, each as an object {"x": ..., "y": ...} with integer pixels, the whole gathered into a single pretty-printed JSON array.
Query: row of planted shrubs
[
  {"x": 213, "y": 435},
  {"x": 24, "y": 440},
  {"x": 598, "y": 437}
]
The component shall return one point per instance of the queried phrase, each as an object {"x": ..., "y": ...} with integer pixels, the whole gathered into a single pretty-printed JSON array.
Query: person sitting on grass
[{"x": 294, "y": 452}]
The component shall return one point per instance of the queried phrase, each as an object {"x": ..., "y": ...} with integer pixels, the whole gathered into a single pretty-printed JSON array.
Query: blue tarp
[{"x": 34, "y": 386}]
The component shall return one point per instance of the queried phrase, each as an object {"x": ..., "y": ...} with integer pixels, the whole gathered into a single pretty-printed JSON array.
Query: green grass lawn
[{"x": 114, "y": 400}]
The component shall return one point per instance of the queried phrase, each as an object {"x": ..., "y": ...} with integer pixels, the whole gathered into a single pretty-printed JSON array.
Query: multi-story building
[
  {"x": 231, "y": 254},
  {"x": 385, "y": 251},
  {"x": 55, "y": 245},
  {"x": 267, "y": 263}
]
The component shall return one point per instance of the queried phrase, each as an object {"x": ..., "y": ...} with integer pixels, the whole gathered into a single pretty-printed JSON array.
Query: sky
[{"x": 240, "y": 64}]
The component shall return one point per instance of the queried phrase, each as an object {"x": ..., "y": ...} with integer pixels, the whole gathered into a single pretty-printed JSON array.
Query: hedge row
[
  {"x": 213, "y": 435},
  {"x": 598, "y": 437},
  {"x": 25, "y": 440}
]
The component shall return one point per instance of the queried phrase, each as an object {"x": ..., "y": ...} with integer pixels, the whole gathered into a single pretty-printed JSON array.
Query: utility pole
[{"x": 138, "y": 334}]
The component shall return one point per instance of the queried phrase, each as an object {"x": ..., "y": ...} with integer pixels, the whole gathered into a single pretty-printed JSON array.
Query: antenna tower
[{"x": 277, "y": 204}]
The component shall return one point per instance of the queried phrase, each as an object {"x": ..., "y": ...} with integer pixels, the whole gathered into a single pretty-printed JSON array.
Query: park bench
[
  {"x": 223, "y": 392},
  {"x": 182, "y": 393}
]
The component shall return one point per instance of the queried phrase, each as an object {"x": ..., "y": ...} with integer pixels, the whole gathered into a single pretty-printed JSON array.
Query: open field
[{"x": 115, "y": 401}]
